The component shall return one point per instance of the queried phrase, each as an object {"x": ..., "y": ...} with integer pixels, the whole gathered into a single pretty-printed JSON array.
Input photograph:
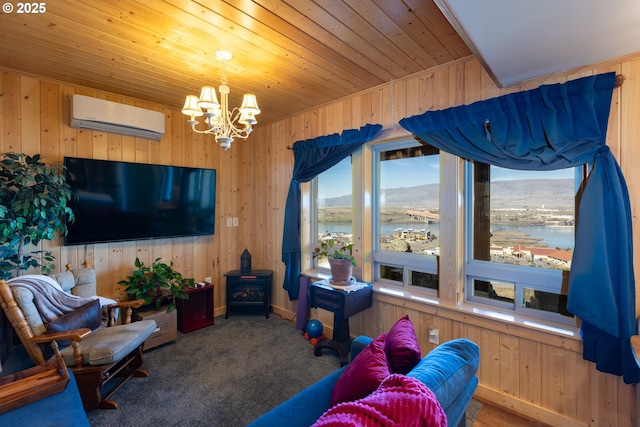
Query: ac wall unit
[{"x": 107, "y": 116}]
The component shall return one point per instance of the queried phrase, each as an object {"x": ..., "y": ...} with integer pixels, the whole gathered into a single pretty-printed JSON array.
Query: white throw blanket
[{"x": 50, "y": 300}]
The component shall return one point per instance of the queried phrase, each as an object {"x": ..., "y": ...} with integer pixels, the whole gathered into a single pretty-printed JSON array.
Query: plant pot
[{"x": 341, "y": 269}]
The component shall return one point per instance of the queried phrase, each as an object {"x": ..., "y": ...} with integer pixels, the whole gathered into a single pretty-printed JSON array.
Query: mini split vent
[{"x": 107, "y": 116}]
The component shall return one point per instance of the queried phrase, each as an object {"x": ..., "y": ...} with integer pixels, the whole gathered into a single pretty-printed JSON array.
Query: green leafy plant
[
  {"x": 329, "y": 250},
  {"x": 153, "y": 283},
  {"x": 33, "y": 207}
]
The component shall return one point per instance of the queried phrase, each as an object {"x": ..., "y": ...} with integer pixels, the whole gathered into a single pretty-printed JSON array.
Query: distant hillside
[{"x": 552, "y": 193}]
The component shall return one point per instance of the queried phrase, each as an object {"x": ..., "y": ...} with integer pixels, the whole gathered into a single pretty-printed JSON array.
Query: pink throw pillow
[
  {"x": 363, "y": 375},
  {"x": 402, "y": 347},
  {"x": 399, "y": 402}
]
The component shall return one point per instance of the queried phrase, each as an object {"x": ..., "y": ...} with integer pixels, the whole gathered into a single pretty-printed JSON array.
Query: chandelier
[{"x": 218, "y": 119}]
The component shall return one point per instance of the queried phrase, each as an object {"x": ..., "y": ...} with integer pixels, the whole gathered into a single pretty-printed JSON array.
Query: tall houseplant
[
  {"x": 152, "y": 283},
  {"x": 33, "y": 207}
]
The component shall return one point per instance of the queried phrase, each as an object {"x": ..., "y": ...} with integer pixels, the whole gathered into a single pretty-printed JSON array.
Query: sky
[{"x": 416, "y": 171}]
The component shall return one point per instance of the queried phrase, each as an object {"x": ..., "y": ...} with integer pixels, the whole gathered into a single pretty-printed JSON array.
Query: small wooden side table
[
  {"x": 344, "y": 302},
  {"x": 196, "y": 312}
]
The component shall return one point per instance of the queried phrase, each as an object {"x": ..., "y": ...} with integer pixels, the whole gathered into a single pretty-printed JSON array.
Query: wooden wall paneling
[
  {"x": 626, "y": 405},
  {"x": 344, "y": 120},
  {"x": 100, "y": 145},
  {"x": 456, "y": 83},
  {"x": 29, "y": 92},
  {"x": 529, "y": 386},
  {"x": 509, "y": 362},
  {"x": 577, "y": 386},
  {"x": 101, "y": 265},
  {"x": 613, "y": 127},
  {"x": 472, "y": 81},
  {"x": 489, "y": 371},
  {"x": 629, "y": 151},
  {"x": 11, "y": 137},
  {"x": 603, "y": 403},
  {"x": 333, "y": 118},
  {"x": 365, "y": 108},
  {"x": 411, "y": 104},
  {"x": 44, "y": 98},
  {"x": 421, "y": 322},
  {"x": 377, "y": 113},
  {"x": 553, "y": 380}
]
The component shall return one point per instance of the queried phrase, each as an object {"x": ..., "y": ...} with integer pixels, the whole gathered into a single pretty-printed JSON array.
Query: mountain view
[{"x": 550, "y": 193}]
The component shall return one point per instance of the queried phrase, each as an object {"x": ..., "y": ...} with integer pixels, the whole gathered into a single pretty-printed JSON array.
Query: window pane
[
  {"x": 524, "y": 217},
  {"x": 546, "y": 301},
  {"x": 391, "y": 272},
  {"x": 334, "y": 206},
  {"x": 423, "y": 280},
  {"x": 494, "y": 290},
  {"x": 409, "y": 200}
]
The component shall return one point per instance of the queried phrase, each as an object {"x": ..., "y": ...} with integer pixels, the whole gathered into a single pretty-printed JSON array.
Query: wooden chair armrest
[
  {"x": 133, "y": 304},
  {"x": 128, "y": 306},
  {"x": 75, "y": 335},
  {"x": 71, "y": 334}
]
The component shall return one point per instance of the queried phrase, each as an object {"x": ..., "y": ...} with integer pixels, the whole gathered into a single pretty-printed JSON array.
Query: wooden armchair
[{"x": 95, "y": 357}]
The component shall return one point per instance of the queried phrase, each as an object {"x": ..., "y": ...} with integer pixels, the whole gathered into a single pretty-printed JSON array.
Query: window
[
  {"x": 522, "y": 237},
  {"x": 406, "y": 215},
  {"x": 516, "y": 228},
  {"x": 333, "y": 207}
]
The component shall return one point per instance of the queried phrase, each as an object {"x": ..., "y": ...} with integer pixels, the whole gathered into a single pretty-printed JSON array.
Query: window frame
[
  {"x": 453, "y": 271},
  {"x": 536, "y": 278},
  {"x": 407, "y": 261}
]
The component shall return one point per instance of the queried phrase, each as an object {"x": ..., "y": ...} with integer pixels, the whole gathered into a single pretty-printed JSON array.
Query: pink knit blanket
[{"x": 399, "y": 402}]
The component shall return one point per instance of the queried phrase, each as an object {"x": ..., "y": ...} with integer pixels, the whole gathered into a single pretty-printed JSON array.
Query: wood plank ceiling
[{"x": 293, "y": 54}]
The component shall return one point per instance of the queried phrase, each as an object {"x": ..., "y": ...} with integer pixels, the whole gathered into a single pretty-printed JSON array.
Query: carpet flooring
[{"x": 226, "y": 375}]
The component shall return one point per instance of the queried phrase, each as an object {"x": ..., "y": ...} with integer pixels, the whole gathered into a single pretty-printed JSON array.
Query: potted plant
[
  {"x": 341, "y": 260},
  {"x": 33, "y": 207},
  {"x": 156, "y": 282}
]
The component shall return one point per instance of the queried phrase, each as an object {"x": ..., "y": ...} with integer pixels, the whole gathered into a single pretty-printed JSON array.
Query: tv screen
[{"x": 120, "y": 201}]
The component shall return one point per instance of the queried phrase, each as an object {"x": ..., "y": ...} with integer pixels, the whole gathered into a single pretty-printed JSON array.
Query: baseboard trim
[{"x": 527, "y": 409}]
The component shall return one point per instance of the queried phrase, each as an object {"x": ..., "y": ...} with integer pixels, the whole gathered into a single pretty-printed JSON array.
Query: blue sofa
[{"x": 449, "y": 371}]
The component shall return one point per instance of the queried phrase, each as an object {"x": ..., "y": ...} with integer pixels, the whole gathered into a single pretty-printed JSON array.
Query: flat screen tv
[{"x": 120, "y": 201}]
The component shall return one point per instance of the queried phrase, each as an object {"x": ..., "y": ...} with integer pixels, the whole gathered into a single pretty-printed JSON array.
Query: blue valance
[
  {"x": 311, "y": 158},
  {"x": 553, "y": 127}
]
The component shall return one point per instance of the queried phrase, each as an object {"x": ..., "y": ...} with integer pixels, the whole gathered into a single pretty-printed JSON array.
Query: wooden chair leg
[{"x": 89, "y": 382}]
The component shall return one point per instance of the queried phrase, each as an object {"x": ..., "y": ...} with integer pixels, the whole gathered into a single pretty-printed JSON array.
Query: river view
[{"x": 553, "y": 237}]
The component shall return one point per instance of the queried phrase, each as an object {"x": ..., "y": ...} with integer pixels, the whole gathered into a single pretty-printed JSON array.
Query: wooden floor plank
[{"x": 493, "y": 416}]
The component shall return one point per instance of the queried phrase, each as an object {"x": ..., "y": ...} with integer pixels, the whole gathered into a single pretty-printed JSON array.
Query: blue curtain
[
  {"x": 553, "y": 127},
  {"x": 311, "y": 158}
]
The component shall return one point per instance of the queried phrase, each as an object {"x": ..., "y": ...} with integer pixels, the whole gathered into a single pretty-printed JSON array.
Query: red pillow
[
  {"x": 363, "y": 375},
  {"x": 402, "y": 347}
]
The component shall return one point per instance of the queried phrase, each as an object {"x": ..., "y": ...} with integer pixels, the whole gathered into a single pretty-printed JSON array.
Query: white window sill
[{"x": 559, "y": 329}]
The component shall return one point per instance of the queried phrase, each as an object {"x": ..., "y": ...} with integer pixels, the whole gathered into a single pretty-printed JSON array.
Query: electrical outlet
[
  {"x": 229, "y": 222},
  {"x": 235, "y": 222},
  {"x": 434, "y": 335}
]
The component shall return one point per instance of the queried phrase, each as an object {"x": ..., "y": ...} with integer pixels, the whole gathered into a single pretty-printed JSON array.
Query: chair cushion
[
  {"x": 363, "y": 375},
  {"x": 66, "y": 280},
  {"x": 108, "y": 345},
  {"x": 24, "y": 299},
  {"x": 402, "y": 347}
]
